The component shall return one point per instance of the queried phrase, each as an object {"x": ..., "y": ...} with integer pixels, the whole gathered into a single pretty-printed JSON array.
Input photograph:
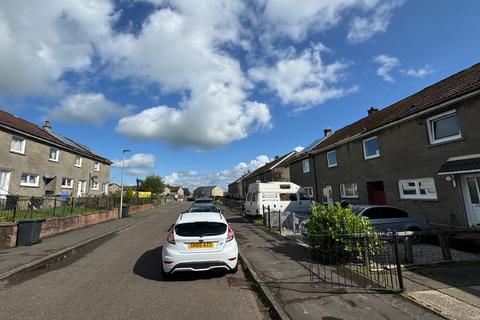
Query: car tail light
[
  {"x": 170, "y": 236},
  {"x": 230, "y": 234}
]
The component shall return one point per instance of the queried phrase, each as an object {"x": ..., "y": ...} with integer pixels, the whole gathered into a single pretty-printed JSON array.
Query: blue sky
[{"x": 203, "y": 91}]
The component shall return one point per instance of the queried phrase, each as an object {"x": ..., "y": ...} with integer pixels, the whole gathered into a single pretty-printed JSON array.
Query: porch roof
[{"x": 468, "y": 164}]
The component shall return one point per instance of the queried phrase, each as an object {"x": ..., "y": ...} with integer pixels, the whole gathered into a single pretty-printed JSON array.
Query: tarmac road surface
[{"x": 119, "y": 278}]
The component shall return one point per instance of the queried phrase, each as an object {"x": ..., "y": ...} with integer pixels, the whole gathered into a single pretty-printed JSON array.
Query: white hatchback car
[{"x": 200, "y": 242}]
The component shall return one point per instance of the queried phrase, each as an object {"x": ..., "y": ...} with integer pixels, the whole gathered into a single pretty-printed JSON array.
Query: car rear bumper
[{"x": 174, "y": 261}]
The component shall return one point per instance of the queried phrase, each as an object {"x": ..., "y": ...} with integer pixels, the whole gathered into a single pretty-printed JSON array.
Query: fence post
[
  {"x": 269, "y": 219},
  {"x": 397, "y": 260},
  {"x": 86, "y": 201},
  {"x": 443, "y": 240},
  {"x": 408, "y": 247},
  {"x": 293, "y": 223},
  {"x": 54, "y": 205},
  {"x": 71, "y": 205},
  {"x": 264, "y": 216},
  {"x": 15, "y": 211},
  {"x": 280, "y": 222}
]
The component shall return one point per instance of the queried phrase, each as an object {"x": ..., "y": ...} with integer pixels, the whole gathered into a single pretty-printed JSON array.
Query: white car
[{"x": 200, "y": 241}]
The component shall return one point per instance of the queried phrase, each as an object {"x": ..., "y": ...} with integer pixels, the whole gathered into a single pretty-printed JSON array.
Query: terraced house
[
  {"x": 35, "y": 161},
  {"x": 421, "y": 154}
]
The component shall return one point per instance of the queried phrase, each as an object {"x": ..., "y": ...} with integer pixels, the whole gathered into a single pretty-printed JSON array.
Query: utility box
[{"x": 28, "y": 232}]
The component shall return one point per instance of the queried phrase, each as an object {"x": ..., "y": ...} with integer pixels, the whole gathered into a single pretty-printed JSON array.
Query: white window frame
[
  {"x": 4, "y": 182},
  {"x": 309, "y": 191},
  {"x": 343, "y": 191},
  {"x": 67, "y": 186},
  {"x": 328, "y": 159},
  {"x": 431, "y": 135},
  {"x": 56, "y": 158},
  {"x": 306, "y": 169},
  {"x": 23, "y": 143},
  {"x": 365, "y": 149},
  {"x": 96, "y": 166},
  {"x": 29, "y": 184},
  {"x": 95, "y": 185},
  {"x": 417, "y": 195},
  {"x": 81, "y": 160}
]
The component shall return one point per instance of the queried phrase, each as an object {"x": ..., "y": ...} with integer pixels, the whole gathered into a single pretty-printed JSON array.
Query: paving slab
[
  {"x": 12, "y": 259},
  {"x": 282, "y": 266}
]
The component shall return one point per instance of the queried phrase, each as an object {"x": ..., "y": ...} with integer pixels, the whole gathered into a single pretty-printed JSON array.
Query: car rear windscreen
[
  {"x": 204, "y": 209},
  {"x": 200, "y": 229},
  {"x": 203, "y": 201}
]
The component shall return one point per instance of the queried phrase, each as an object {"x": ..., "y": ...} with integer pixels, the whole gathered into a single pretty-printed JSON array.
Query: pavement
[
  {"x": 280, "y": 266},
  {"x": 117, "y": 276},
  {"x": 451, "y": 289}
]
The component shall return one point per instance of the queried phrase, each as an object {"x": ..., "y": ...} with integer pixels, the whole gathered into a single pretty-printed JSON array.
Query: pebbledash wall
[{"x": 8, "y": 232}]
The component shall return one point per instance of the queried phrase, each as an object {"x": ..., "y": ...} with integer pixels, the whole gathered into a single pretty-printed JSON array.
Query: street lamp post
[{"x": 121, "y": 184}]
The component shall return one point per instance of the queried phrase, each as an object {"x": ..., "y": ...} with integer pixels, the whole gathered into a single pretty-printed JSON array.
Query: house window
[
  {"x": 4, "y": 182},
  {"x": 78, "y": 161},
  {"x": 332, "y": 158},
  {"x": 370, "y": 148},
  {"x": 96, "y": 166},
  {"x": 18, "y": 145},
  {"x": 349, "y": 190},
  {"x": 309, "y": 191},
  {"x": 67, "y": 183},
  {"x": 29, "y": 180},
  {"x": 327, "y": 194},
  {"x": 53, "y": 155},
  {"x": 423, "y": 188},
  {"x": 306, "y": 165},
  {"x": 94, "y": 185},
  {"x": 443, "y": 127}
]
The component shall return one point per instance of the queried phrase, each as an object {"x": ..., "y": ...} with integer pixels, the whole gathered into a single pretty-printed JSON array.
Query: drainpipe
[{"x": 315, "y": 179}]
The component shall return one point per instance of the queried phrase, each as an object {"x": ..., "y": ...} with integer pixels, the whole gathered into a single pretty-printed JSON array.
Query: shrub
[{"x": 337, "y": 234}]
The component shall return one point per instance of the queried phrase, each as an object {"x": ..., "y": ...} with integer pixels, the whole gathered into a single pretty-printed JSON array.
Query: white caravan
[{"x": 280, "y": 196}]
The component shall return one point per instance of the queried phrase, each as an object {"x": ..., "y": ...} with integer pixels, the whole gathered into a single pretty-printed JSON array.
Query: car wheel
[{"x": 416, "y": 239}]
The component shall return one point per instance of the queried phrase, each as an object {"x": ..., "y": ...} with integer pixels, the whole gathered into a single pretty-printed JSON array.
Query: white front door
[
  {"x": 81, "y": 188},
  {"x": 471, "y": 193},
  {"x": 4, "y": 182}
]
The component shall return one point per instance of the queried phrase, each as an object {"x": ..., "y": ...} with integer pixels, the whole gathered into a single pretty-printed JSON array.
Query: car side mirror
[{"x": 173, "y": 224}]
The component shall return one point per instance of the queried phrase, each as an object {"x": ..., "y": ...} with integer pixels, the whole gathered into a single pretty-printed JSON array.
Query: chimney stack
[
  {"x": 372, "y": 110},
  {"x": 47, "y": 126},
  {"x": 276, "y": 157},
  {"x": 327, "y": 132}
]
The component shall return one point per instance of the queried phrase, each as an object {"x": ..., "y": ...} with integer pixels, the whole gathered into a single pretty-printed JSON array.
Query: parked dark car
[{"x": 386, "y": 218}]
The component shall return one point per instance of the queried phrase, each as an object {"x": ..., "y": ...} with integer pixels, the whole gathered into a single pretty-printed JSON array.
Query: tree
[{"x": 154, "y": 184}]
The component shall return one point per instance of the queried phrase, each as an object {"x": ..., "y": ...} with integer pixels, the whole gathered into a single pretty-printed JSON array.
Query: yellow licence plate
[{"x": 200, "y": 245}]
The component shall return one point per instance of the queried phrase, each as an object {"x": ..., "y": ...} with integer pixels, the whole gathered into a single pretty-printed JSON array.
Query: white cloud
[
  {"x": 215, "y": 109},
  {"x": 299, "y": 18},
  {"x": 91, "y": 108},
  {"x": 421, "y": 72},
  {"x": 363, "y": 28},
  {"x": 303, "y": 79},
  {"x": 387, "y": 64},
  {"x": 140, "y": 164},
  {"x": 192, "y": 179},
  {"x": 38, "y": 44}
]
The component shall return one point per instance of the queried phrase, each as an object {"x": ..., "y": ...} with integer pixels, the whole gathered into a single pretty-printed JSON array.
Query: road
[{"x": 119, "y": 278}]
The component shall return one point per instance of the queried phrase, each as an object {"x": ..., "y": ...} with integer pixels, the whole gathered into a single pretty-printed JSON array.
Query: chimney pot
[
  {"x": 276, "y": 157},
  {"x": 47, "y": 126},
  {"x": 372, "y": 110},
  {"x": 327, "y": 132}
]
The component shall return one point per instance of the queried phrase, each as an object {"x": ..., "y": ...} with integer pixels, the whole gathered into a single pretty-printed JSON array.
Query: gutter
[
  {"x": 394, "y": 123},
  {"x": 63, "y": 147}
]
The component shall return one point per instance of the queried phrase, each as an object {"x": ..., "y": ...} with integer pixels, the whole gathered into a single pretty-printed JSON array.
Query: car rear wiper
[{"x": 209, "y": 234}]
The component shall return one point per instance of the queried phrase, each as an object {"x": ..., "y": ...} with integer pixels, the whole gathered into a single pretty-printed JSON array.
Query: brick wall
[
  {"x": 8, "y": 235},
  {"x": 8, "y": 232}
]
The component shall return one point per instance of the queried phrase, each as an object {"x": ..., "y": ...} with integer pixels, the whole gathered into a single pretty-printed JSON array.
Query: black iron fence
[
  {"x": 363, "y": 260},
  {"x": 238, "y": 205},
  {"x": 14, "y": 208}
]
